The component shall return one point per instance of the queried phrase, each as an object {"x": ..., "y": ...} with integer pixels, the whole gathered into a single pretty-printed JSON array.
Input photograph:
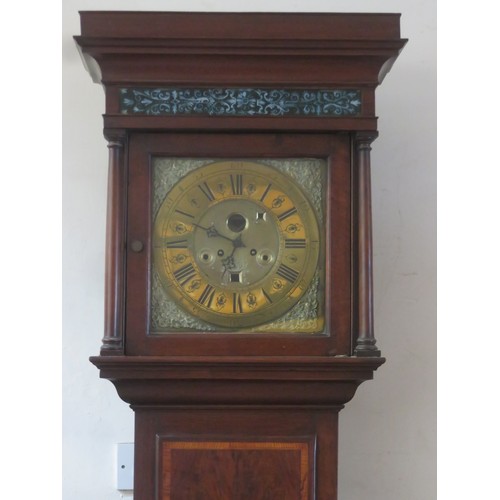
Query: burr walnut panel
[{"x": 212, "y": 470}]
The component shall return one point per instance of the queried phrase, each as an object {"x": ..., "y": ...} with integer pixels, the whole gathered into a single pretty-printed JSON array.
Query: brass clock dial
[{"x": 236, "y": 243}]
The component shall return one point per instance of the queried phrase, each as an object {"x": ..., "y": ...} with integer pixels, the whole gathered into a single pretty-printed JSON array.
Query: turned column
[
  {"x": 365, "y": 342},
  {"x": 112, "y": 342}
]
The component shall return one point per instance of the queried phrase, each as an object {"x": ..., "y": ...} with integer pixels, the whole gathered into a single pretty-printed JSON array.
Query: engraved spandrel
[
  {"x": 305, "y": 316},
  {"x": 166, "y": 314},
  {"x": 167, "y": 172},
  {"x": 310, "y": 174}
]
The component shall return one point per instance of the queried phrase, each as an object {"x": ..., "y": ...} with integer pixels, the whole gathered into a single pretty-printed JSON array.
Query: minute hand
[{"x": 212, "y": 232}]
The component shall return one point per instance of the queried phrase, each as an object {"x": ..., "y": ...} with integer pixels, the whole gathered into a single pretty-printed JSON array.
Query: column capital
[
  {"x": 116, "y": 137},
  {"x": 365, "y": 135}
]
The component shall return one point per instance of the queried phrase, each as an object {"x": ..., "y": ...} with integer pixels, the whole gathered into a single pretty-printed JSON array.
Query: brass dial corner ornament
[{"x": 236, "y": 243}]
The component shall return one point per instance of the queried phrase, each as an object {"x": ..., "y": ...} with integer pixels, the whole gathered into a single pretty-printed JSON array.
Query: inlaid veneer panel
[{"x": 243, "y": 470}]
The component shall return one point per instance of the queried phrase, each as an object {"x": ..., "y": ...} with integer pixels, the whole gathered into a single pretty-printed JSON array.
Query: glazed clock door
[{"x": 228, "y": 238}]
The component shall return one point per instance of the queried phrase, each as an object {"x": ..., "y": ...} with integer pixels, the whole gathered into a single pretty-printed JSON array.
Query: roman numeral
[
  {"x": 237, "y": 307},
  {"x": 207, "y": 296},
  {"x": 266, "y": 295},
  {"x": 185, "y": 274},
  {"x": 265, "y": 192},
  {"x": 184, "y": 213},
  {"x": 205, "y": 189},
  {"x": 177, "y": 244},
  {"x": 287, "y": 273},
  {"x": 295, "y": 243},
  {"x": 237, "y": 183},
  {"x": 287, "y": 214}
]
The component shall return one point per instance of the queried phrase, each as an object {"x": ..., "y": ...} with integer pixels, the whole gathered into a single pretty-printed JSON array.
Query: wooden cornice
[{"x": 137, "y": 50}]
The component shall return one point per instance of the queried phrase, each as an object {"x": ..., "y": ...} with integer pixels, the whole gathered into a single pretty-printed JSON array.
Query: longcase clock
[{"x": 238, "y": 298}]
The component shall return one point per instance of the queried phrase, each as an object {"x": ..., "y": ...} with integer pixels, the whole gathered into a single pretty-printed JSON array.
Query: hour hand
[{"x": 238, "y": 242}]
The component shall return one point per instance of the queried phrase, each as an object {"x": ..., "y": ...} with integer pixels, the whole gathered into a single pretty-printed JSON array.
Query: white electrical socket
[{"x": 125, "y": 466}]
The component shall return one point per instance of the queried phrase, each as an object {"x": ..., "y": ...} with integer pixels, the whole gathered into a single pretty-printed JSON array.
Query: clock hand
[
  {"x": 212, "y": 233},
  {"x": 238, "y": 243},
  {"x": 228, "y": 262}
]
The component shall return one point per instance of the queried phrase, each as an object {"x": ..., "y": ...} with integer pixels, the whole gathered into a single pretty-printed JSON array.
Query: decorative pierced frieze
[{"x": 240, "y": 102}]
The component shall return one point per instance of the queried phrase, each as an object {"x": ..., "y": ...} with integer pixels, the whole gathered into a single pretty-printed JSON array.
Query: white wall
[{"x": 387, "y": 433}]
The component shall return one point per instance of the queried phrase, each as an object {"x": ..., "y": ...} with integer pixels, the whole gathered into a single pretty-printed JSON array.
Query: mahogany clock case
[
  {"x": 336, "y": 234},
  {"x": 262, "y": 406}
]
